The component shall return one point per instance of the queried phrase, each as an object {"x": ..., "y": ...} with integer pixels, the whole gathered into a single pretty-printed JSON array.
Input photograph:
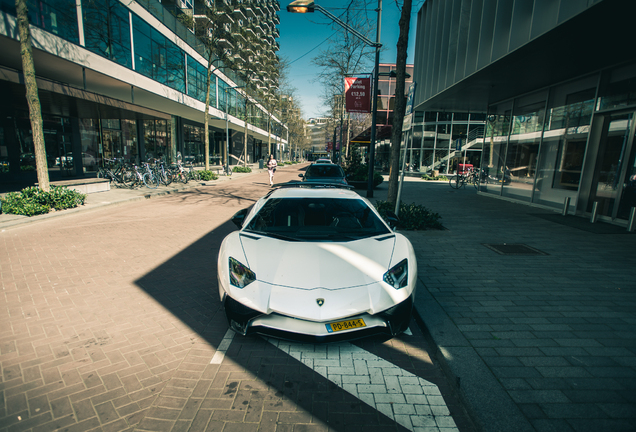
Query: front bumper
[{"x": 245, "y": 321}]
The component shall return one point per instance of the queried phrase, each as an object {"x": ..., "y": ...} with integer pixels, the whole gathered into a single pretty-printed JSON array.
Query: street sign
[
  {"x": 358, "y": 94},
  {"x": 408, "y": 114}
]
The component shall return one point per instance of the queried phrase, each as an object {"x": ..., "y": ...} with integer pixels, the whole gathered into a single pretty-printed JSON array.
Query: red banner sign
[{"x": 358, "y": 95}]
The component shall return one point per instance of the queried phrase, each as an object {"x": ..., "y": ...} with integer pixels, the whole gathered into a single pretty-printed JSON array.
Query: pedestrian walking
[{"x": 271, "y": 169}]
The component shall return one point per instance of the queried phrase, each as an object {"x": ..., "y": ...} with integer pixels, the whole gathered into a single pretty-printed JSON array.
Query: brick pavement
[
  {"x": 536, "y": 342},
  {"x": 109, "y": 321}
]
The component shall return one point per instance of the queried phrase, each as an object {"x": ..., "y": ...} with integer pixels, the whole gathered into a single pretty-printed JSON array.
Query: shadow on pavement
[{"x": 186, "y": 286}]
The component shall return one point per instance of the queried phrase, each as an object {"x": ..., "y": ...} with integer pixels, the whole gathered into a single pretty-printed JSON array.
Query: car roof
[
  {"x": 326, "y": 169},
  {"x": 318, "y": 191}
]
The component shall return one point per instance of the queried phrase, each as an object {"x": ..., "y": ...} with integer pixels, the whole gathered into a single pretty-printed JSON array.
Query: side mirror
[
  {"x": 300, "y": 175},
  {"x": 239, "y": 217},
  {"x": 392, "y": 219}
]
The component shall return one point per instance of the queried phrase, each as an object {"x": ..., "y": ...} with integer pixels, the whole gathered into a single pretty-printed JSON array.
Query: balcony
[
  {"x": 238, "y": 35},
  {"x": 224, "y": 43},
  {"x": 276, "y": 19},
  {"x": 238, "y": 14},
  {"x": 250, "y": 32},
  {"x": 249, "y": 12},
  {"x": 202, "y": 19},
  {"x": 238, "y": 58},
  {"x": 224, "y": 17}
]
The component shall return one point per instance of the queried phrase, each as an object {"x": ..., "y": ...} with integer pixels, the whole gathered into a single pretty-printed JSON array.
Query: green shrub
[
  {"x": 33, "y": 201},
  {"x": 207, "y": 175},
  {"x": 358, "y": 171},
  {"x": 439, "y": 178},
  {"x": 361, "y": 173},
  {"x": 241, "y": 169},
  {"x": 287, "y": 163},
  {"x": 411, "y": 216}
]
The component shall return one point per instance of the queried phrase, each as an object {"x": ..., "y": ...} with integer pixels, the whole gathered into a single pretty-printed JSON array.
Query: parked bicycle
[
  {"x": 117, "y": 171},
  {"x": 192, "y": 173},
  {"x": 180, "y": 174},
  {"x": 164, "y": 175},
  {"x": 136, "y": 177},
  {"x": 461, "y": 179},
  {"x": 149, "y": 178}
]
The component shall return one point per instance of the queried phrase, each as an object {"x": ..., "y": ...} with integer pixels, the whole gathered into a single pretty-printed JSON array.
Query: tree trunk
[
  {"x": 400, "y": 101},
  {"x": 269, "y": 137},
  {"x": 245, "y": 133},
  {"x": 35, "y": 112},
  {"x": 206, "y": 121}
]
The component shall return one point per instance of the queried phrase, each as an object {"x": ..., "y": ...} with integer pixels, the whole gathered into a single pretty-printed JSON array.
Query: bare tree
[
  {"x": 210, "y": 32},
  {"x": 346, "y": 55},
  {"x": 290, "y": 111},
  {"x": 33, "y": 99},
  {"x": 400, "y": 100}
]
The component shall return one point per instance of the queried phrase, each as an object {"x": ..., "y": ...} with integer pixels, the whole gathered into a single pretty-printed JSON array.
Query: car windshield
[
  {"x": 311, "y": 219},
  {"x": 322, "y": 171}
]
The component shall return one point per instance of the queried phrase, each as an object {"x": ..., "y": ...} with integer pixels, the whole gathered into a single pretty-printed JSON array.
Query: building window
[
  {"x": 492, "y": 159},
  {"x": 197, "y": 82},
  {"x": 156, "y": 57},
  {"x": 523, "y": 147},
  {"x": 565, "y": 136},
  {"x": 55, "y": 16},
  {"x": 107, "y": 30},
  {"x": 619, "y": 88}
]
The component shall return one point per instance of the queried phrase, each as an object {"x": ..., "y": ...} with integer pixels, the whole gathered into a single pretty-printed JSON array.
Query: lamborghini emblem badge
[{"x": 320, "y": 301}]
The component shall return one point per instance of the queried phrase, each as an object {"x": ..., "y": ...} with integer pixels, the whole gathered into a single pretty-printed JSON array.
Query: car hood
[{"x": 311, "y": 265}]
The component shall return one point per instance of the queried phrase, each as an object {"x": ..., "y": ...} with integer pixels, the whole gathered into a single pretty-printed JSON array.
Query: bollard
[
  {"x": 631, "y": 225},
  {"x": 566, "y": 206},
  {"x": 594, "y": 210}
]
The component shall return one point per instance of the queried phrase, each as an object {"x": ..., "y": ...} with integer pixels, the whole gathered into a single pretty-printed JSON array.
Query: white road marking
[
  {"x": 407, "y": 399},
  {"x": 219, "y": 355}
]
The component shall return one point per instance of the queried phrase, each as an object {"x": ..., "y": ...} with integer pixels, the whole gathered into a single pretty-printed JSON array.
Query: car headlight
[
  {"x": 240, "y": 275},
  {"x": 397, "y": 276}
]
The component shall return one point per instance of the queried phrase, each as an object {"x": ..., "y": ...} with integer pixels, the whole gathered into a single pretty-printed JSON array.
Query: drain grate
[{"x": 514, "y": 249}]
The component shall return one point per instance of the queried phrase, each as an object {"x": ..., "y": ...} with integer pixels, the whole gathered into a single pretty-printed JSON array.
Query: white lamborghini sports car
[{"x": 316, "y": 263}]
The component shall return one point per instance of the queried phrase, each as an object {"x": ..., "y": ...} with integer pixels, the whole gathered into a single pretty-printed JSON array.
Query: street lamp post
[
  {"x": 307, "y": 6},
  {"x": 227, "y": 129}
]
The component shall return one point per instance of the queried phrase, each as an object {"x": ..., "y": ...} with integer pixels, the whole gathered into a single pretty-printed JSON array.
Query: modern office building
[
  {"x": 127, "y": 79},
  {"x": 557, "y": 84},
  {"x": 434, "y": 137}
]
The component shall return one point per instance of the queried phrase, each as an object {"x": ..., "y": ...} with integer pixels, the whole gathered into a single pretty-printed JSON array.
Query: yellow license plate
[{"x": 345, "y": 325}]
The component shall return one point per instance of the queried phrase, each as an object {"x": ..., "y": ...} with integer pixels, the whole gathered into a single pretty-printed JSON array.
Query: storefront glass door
[
  {"x": 628, "y": 196},
  {"x": 614, "y": 164}
]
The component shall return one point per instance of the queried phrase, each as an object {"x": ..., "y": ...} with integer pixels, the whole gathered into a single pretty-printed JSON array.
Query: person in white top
[{"x": 271, "y": 169}]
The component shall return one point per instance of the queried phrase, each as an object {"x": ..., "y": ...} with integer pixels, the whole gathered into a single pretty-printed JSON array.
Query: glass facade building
[
  {"x": 120, "y": 80},
  {"x": 572, "y": 142},
  {"x": 557, "y": 102},
  {"x": 434, "y": 138}
]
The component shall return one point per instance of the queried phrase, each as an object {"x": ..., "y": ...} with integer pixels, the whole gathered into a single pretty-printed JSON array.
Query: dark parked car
[{"x": 324, "y": 173}]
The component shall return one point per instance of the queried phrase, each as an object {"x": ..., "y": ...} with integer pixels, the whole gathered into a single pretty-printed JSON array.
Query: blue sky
[{"x": 301, "y": 36}]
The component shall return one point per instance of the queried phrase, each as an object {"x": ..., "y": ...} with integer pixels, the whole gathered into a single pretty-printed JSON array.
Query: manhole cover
[{"x": 514, "y": 249}]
